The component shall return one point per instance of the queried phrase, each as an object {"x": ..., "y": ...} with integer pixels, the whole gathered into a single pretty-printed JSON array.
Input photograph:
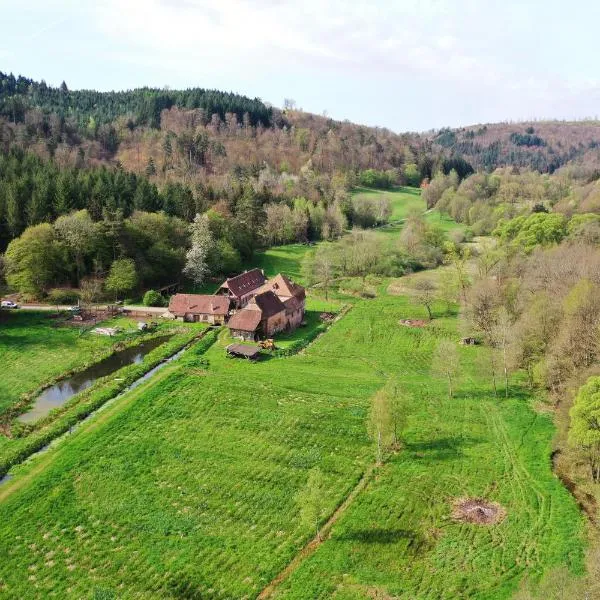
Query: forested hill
[
  {"x": 540, "y": 146},
  {"x": 142, "y": 106},
  {"x": 196, "y": 134}
]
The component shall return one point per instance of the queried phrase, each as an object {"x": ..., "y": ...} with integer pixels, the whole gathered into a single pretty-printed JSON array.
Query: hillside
[
  {"x": 193, "y": 134},
  {"x": 542, "y": 146}
]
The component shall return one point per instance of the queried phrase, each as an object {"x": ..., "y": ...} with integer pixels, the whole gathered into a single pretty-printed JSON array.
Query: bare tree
[
  {"x": 501, "y": 334},
  {"x": 320, "y": 268},
  {"x": 446, "y": 362},
  {"x": 425, "y": 294},
  {"x": 448, "y": 289},
  {"x": 483, "y": 306}
]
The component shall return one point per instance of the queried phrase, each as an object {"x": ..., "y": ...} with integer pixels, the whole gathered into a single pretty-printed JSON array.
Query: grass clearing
[
  {"x": 189, "y": 490},
  {"x": 404, "y": 200}
]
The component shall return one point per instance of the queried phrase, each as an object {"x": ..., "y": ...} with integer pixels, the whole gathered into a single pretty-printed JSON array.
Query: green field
[
  {"x": 185, "y": 487},
  {"x": 38, "y": 351},
  {"x": 404, "y": 200},
  {"x": 283, "y": 259}
]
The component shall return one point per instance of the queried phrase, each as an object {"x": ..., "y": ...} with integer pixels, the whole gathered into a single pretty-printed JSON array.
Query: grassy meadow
[{"x": 186, "y": 486}]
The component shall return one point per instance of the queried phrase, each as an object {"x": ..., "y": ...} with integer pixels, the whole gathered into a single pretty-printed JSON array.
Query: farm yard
[{"x": 187, "y": 486}]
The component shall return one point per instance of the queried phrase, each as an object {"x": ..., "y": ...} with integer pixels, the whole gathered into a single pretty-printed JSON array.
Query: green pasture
[{"x": 186, "y": 487}]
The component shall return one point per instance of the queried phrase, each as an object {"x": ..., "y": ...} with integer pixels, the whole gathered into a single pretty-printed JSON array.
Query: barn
[
  {"x": 200, "y": 308},
  {"x": 242, "y": 288}
]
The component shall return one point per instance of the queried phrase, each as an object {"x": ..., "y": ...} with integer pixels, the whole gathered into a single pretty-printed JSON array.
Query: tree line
[
  {"x": 544, "y": 147},
  {"x": 142, "y": 106}
]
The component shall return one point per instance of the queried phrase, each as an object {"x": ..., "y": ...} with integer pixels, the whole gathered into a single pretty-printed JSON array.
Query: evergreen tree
[{"x": 150, "y": 168}]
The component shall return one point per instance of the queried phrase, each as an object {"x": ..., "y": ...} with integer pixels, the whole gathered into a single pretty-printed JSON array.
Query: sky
[{"x": 408, "y": 65}]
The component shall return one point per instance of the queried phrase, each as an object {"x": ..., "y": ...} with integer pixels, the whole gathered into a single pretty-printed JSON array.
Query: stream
[
  {"x": 57, "y": 394},
  {"x": 130, "y": 387}
]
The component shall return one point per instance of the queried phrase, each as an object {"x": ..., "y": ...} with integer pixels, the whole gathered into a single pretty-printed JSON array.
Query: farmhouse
[
  {"x": 260, "y": 308},
  {"x": 267, "y": 314},
  {"x": 242, "y": 288},
  {"x": 198, "y": 307},
  {"x": 284, "y": 288}
]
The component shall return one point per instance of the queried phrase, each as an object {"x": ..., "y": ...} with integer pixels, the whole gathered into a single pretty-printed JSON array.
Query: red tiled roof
[
  {"x": 245, "y": 320},
  {"x": 245, "y": 282},
  {"x": 268, "y": 303},
  {"x": 283, "y": 286},
  {"x": 182, "y": 304}
]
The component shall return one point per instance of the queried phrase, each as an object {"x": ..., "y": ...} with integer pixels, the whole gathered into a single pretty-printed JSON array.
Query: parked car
[{"x": 9, "y": 304}]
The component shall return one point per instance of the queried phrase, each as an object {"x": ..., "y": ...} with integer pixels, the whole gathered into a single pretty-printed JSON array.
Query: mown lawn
[{"x": 186, "y": 487}]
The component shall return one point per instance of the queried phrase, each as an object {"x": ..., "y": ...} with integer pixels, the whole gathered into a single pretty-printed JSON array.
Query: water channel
[{"x": 57, "y": 394}]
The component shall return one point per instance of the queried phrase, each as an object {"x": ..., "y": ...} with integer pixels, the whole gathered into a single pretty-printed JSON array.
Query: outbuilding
[
  {"x": 243, "y": 351},
  {"x": 200, "y": 308}
]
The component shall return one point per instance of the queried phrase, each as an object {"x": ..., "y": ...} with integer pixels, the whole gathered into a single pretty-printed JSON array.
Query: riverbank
[{"x": 16, "y": 450}]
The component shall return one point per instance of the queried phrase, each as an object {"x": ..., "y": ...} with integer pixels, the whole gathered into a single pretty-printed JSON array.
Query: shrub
[
  {"x": 62, "y": 296},
  {"x": 153, "y": 298}
]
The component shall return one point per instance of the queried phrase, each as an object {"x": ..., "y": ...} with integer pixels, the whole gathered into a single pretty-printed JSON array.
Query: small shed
[{"x": 243, "y": 351}]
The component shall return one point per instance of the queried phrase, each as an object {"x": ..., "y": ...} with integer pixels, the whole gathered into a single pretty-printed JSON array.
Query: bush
[
  {"x": 62, "y": 296},
  {"x": 153, "y": 298}
]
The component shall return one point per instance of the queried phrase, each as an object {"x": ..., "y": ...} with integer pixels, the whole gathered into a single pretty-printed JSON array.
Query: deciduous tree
[
  {"x": 381, "y": 422},
  {"x": 196, "y": 263},
  {"x": 34, "y": 260},
  {"x": 122, "y": 277},
  {"x": 584, "y": 431},
  {"x": 425, "y": 294},
  {"x": 445, "y": 363}
]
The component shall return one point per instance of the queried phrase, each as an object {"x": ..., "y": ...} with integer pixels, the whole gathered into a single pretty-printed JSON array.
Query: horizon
[
  {"x": 532, "y": 120},
  {"x": 386, "y": 68}
]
